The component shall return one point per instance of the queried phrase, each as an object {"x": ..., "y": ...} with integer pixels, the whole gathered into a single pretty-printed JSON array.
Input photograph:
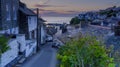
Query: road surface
[{"x": 45, "y": 58}]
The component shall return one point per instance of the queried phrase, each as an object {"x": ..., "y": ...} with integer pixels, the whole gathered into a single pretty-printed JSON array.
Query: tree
[
  {"x": 85, "y": 52},
  {"x": 75, "y": 20}
]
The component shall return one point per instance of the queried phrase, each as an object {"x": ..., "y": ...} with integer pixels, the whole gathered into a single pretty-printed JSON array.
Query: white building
[{"x": 42, "y": 31}]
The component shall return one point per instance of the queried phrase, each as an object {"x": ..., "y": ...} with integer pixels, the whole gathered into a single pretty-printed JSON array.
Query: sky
[{"x": 69, "y": 7}]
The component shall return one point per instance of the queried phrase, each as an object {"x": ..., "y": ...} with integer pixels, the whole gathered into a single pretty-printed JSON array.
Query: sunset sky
[{"x": 69, "y": 7}]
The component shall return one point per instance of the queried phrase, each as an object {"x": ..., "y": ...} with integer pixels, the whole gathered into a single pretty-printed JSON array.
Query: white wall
[
  {"x": 32, "y": 23},
  {"x": 30, "y": 46},
  {"x": 35, "y": 35},
  {"x": 21, "y": 40},
  {"x": 9, "y": 31},
  {"x": 11, "y": 54},
  {"x": 43, "y": 35}
]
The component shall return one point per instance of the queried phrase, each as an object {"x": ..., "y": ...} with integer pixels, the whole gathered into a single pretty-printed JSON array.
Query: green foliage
[
  {"x": 85, "y": 52},
  {"x": 75, "y": 20},
  {"x": 108, "y": 13},
  {"x": 0, "y": 28},
  {"x": 3, "y": 44},
  {"x": 111, "y": 65}
]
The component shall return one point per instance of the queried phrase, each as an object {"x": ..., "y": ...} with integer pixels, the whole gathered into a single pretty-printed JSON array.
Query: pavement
[{"x": 45, "y": 58}]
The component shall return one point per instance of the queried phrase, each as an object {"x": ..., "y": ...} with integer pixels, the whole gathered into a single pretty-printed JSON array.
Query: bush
[
  {"x": 85, "y": 52},
  {"x": 75, "y": 20},
  {"x": 3, "y": 44}
]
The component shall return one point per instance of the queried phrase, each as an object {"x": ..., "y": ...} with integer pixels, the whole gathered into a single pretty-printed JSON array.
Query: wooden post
[{"x": 38, "y": 44}]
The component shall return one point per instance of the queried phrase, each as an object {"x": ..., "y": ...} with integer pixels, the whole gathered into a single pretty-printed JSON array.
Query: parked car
[
  {"x": 69, "y": 36},
  {"x": 49, "y": 38},
  {"x": 56, "y": 45}
]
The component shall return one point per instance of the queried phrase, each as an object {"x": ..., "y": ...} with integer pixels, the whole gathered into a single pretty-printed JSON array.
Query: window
[
  {"x": 15, "y": 13},
  {"x": 8, "y": 17},
  {"x": 29, "y": 20}
]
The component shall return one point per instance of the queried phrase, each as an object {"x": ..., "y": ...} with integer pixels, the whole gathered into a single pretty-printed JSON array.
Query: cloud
[
  {"x": 72, "y": 11},
  {"x": 58, "y": 13},
  {"x": 44, "y": 10},
  {"x": 48, "y": 12},
  {"x": 38, "y": 5}
]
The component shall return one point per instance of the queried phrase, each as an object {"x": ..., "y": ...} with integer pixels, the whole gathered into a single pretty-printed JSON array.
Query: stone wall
[
  {"x": 21, "y": 40},
  {"x": 11, "y": 54},
  {"x": 30, "y": 47}
]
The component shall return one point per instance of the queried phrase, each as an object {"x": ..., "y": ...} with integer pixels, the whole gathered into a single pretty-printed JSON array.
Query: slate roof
[
  {"x": 40, "y": 19},
  {"x": 25, "y": 10}
]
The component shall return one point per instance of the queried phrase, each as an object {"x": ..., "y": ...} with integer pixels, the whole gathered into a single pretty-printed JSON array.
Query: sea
[{"x": 60, "y": 20}]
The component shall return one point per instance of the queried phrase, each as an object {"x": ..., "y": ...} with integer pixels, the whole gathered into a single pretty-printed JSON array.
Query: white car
[
  {"x": 49, "y": 39},
  {"x": 56, "y": 45},
  {"x": 69, "y": 36}
]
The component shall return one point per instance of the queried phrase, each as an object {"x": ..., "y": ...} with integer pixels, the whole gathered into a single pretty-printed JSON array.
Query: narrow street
[{"x": 45, "y": 58}]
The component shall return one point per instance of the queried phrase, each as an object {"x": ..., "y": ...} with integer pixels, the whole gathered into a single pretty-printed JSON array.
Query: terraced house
[
  {"x": 10, "y": 28},
  {"x": 18, "y": 24},
  {"x": 9, "y": 25},
  {"x": 8, "y": 16}
]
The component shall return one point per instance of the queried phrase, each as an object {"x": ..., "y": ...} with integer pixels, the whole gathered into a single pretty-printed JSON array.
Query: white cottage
[
  {"x": 42, "y": 31},
  {"x": 28, "y": 26}
]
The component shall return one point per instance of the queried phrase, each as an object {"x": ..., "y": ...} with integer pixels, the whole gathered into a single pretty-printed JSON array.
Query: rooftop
[{"x": 26, "y": 10}]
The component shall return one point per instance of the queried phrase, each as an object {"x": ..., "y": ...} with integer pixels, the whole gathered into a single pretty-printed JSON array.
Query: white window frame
[
  {"x": 8, "y": 15},
  {"x": 15, "y": 13}
]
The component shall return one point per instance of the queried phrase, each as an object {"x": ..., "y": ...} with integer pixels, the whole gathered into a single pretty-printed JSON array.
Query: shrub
[
  {"x": 85, "y": 52},
  {"x": 75, "y": 20},
  {"x": 3, "y": 44}
]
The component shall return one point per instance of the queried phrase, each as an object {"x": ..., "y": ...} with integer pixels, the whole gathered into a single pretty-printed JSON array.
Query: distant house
[
  {"x": 52, "y": 28},
  {"x": 118, "y": 15},
  {"x": 42, "y": 31},
  {"x": 8, "y": 16},
  {"x": 96, "y": 22},
  {"x": 81, "y": 16},
  {"x": 117, "y": 29}
]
